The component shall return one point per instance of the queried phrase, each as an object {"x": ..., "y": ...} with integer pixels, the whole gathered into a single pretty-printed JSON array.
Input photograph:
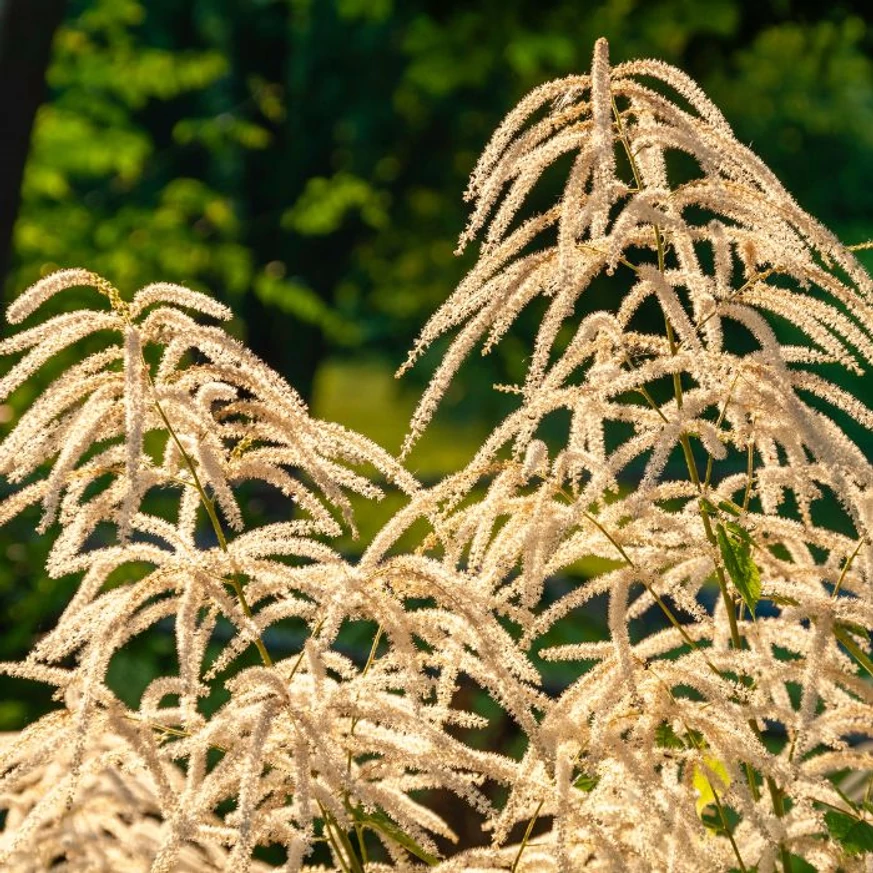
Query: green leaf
[
  {"x": 711, "y": 770},
  {"x": 299, "y": 300},
  {"x": 584, "y": 782},
  {"x": 326, "y": 202},
  {"x": 853, "y": 834},
  {"x": 782, "y": 600},
  {"x": 667, "y": 738},
  {"x": 738, "y": 532},
  {"x": 694, "y": 740},
  {"x": 723, "y": 505},
  {"x": 842, "y": 634},
  {"x": 853, "y": 628},
  {"x": 379, "y": 821},
  {"x": 722, "y": 823},
  {"x": 708, "y": 506},
  {"x": 734, "y": 543},
  {"x": 712, "y": 822}
]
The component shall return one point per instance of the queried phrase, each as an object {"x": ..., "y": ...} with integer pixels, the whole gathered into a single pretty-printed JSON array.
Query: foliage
[
  {"x": 688, "y": 314},
  {"x": 109, "y": 203},
  {"x": 220, "y": 143}
]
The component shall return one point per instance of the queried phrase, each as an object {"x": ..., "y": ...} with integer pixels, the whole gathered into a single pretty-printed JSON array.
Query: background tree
[{"x": 26, "y": 31}]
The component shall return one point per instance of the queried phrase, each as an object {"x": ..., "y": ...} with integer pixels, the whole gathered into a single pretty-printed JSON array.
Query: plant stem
[
  {"x": 845, "y": 569},
  {"x": 209, "y": 506},
  {"x": 337, "y": 837},
  {"x": 370, "y": 658},
  {"x": 698, "y": 745},
  {"x": 526, "y": 837},
  {"x": 655, "y": 596},
  {"x": 750, "y": 466},
  {"x": 736, "y": 639},
  {"x": 362, "y": 845}
]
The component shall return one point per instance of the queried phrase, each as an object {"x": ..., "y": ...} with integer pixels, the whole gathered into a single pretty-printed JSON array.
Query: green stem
[
  {"x": 854, "y": 649},
  {"x": 316, "y": 631},
  {"x": 710, "y": 461},
  {"x": 655, "y": 596},
  {"x": 750, "y": 469},
  {"x": 845, "y": 569},
  {"x": 699, "y": 746},
  {"x": 354, "y": 864},
  {"x": 337, "y": 837},
  {"x": 335, "y": 847},
  {"x": 724, "y": 823},
  {"x": 370, "y": 658},
  {"x": 209, "y": 506},
  {"x": 526, "y": 837},
  {"x": 758, "y": 277},
  {"x": 720, "y": 808},
  {"x": 362, "y": 845},
  {"x": 172, "y": 731},
  {"x": 359, "y": 831},
  {"x": 775, "y": 792}
]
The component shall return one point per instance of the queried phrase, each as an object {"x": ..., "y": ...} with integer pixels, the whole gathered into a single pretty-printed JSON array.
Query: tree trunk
[{"x": 27, "y": 28}]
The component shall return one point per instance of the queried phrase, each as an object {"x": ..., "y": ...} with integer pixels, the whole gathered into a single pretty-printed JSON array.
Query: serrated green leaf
[
  {"x": 379, "y": 821},
  {"x": 667, "y": 738},
  {"x": 736, "y": 553},
  {"x": 729, "y": 508},
  {"x": 853, "y": 834}
]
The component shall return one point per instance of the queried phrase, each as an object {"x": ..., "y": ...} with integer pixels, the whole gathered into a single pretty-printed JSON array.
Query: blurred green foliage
[{"x": 304, "y": 160}]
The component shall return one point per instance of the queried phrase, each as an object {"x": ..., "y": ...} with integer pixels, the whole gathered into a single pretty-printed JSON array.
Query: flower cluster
[{"x": 685, "y": 442}]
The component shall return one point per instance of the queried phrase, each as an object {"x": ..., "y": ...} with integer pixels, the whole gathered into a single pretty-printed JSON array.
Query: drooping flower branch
[{"x": 704, "y": 478}]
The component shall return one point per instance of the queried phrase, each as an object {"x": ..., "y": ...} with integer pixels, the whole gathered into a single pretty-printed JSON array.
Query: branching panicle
[{"x": 704, "y": 496}]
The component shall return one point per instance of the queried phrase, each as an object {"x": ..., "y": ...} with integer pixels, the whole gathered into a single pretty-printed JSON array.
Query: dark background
[{"x": 304, "y": 160}]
